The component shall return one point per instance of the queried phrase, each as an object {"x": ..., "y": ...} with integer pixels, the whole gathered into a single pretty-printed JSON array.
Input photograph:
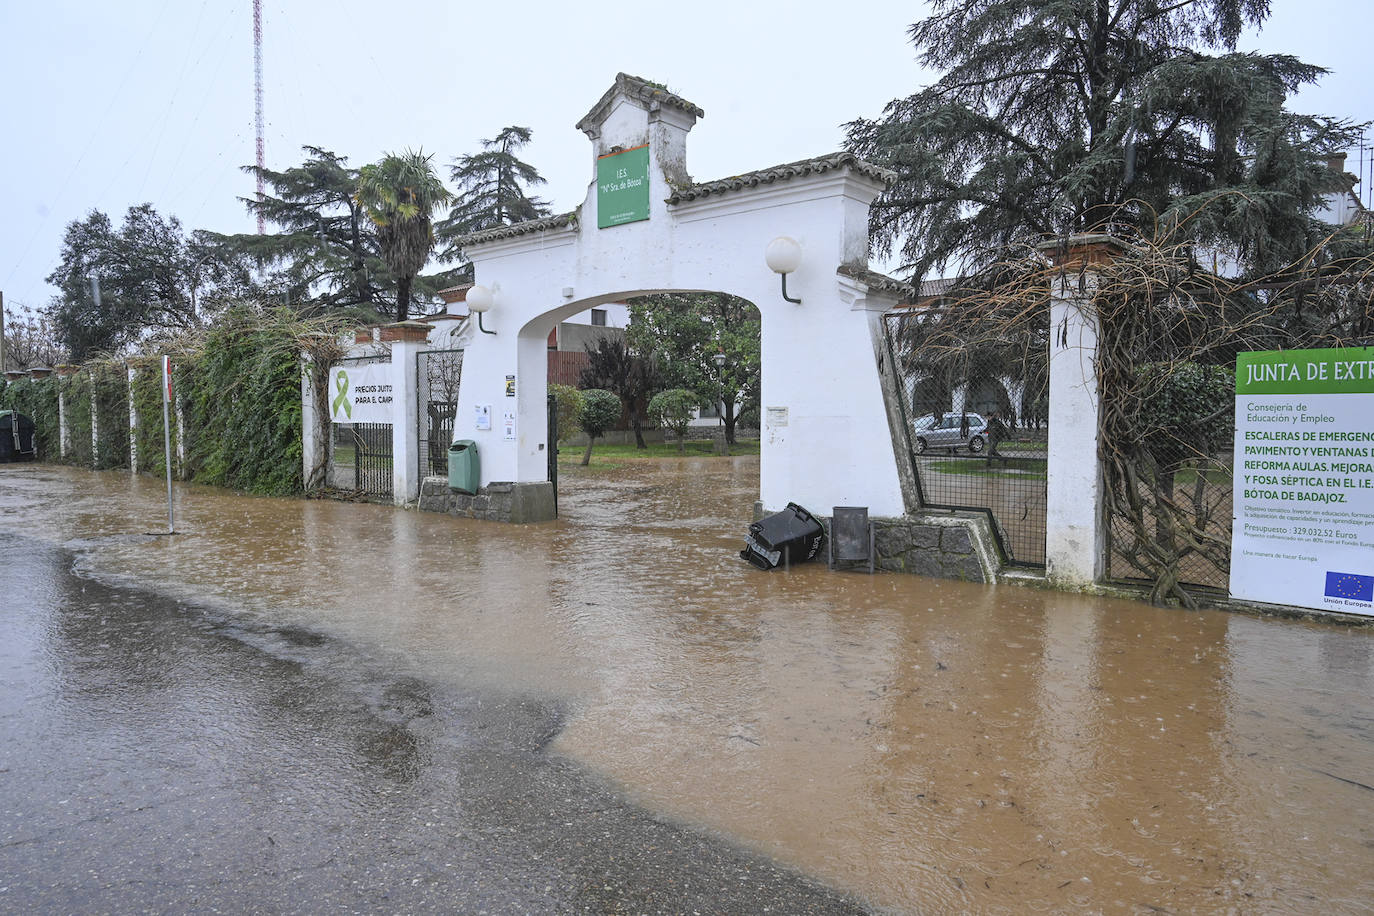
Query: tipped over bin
[
  {"x": 464, "y": 473},
  {"x": 790, "y": 536},
  {"x": 16, "y": 437}
]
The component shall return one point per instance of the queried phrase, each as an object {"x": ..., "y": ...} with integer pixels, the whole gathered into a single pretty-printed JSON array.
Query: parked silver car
[{"x": 951, "y": 432}]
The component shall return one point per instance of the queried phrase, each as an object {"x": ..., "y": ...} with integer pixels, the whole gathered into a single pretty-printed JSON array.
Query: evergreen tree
[
  {"x": 491, "y": 188},
  {"x": 328, "y": 249},
  {"x": 1059, "y": 116}
]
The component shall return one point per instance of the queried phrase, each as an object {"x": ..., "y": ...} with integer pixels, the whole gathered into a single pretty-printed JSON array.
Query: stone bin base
[
  {"x": 940, "y": 546},
  {"x": 518, "y": 503}
]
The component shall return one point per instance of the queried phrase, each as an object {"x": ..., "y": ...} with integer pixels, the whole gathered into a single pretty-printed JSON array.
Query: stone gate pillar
[
  {"x": 64, "y": 427},
  {"x": 407, "y": 339},
  {"x": 134, "y": 418},
  {"x": 1075, "y": 521}
]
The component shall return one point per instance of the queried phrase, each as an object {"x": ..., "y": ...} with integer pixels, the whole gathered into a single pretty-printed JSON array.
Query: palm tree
[{"x": 399, "y": 194}]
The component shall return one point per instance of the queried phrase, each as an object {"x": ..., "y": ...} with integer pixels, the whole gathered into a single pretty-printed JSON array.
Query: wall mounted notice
[
  {"x": 360, "y": 393},
  {"x": 1304, "y": 479},
  {"x": 622, "y": 187},
  {"x": 508, "y": 425}
]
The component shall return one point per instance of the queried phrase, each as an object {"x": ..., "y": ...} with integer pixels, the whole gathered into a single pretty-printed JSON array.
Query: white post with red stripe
[{"x": 167, "y": 434}]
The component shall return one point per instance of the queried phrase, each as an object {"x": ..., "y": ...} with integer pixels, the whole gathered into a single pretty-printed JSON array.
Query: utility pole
[{"x": 2, "y": 331}]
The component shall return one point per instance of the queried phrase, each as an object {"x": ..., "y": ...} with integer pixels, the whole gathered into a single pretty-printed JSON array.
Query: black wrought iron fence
[
  {"x": 360, "y": 454},
  {"x": 976, "y": 426},
  {"x": 438, "y": 373}
]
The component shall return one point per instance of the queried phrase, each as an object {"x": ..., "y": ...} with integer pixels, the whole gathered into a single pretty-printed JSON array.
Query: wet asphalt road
[{"x": 162, "y": 757}]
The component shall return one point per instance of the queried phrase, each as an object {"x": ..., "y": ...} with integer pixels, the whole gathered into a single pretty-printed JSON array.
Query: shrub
[
  {"x": 600, "y": 411},
  {"x": 672, "y": 410},
  {"x": 568, "y": 401}
]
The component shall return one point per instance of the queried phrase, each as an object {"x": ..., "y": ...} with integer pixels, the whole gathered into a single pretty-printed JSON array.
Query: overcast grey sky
[{"x": 107, "y": 105}]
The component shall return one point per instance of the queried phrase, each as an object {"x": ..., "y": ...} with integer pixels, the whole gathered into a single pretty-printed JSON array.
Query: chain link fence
[{"x": 976, "y": 426}]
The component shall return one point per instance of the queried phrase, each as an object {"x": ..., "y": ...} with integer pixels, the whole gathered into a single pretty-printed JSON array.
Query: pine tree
[
  {"x": 491, "y": 188},
  {"x": 328, "y": 248},
  {"x": 1059, "y": 116}
]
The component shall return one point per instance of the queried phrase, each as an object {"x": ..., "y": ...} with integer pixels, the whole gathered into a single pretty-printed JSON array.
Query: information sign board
[
  {"x": 622, "y": 187},
  {"x": 1303, "y": 532},
  {"x": 361, "y": 393}
]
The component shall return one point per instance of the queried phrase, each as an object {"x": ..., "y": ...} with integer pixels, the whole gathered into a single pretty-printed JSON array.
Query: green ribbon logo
[{"x": 341, "y": 386}]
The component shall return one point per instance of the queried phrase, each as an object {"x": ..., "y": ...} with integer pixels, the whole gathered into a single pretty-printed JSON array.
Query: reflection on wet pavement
[{"x": 929, "y": 745}]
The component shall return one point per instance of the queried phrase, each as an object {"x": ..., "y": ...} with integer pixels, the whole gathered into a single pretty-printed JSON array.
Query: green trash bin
[{"x": 464, "y": 473}]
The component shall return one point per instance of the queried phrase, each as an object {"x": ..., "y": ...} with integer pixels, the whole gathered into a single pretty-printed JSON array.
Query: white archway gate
[{"x": 645, "y": 227}]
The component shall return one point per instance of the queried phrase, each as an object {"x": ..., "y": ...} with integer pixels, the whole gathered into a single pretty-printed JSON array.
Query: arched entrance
[{"x": 645, "y": 227}]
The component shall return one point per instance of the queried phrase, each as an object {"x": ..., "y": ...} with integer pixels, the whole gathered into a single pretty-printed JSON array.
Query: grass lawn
[
  {"x": 606, "y": 456},
  {"x": 995, "y": 467}
]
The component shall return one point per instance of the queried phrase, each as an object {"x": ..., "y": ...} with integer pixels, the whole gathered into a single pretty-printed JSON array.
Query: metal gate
[
  {"x": 438, "y": 373},
  {"x": 360, "y": 457},
  {"x": 975, "y": 426}
]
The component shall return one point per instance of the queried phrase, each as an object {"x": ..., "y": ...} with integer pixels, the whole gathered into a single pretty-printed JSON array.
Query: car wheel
[
  {"x": 975, "y": 444},
  {"x": 920, "y": 446}
]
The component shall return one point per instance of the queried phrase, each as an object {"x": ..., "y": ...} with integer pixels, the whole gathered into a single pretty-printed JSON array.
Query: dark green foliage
[
  {"x": 238, "y": 385},
  {"x": 600, "y": 411},
  {"x": 1186, "y": 407},
  {"x": 1063, "y": 116},
  {"x": 110, "y": 403},
  {"x": 242, "y": 397},
  {"x": 684, "y": 332},
  {"x": 612, "y": 365},
  {"x": 327, "y": 251},
  {"x": 76, "y": 393},
  {"x": 491, "y": 189}
]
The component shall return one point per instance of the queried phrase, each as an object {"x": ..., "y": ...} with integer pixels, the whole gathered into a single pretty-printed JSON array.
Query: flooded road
[{"x": 929, "y": 746}]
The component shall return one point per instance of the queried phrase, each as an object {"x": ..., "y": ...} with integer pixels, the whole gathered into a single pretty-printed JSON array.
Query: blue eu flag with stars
[{"x": 1349, "y": 585}]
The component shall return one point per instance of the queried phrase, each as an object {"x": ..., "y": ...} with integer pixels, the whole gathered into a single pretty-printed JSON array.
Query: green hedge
[
  {"x": 243, "y": 406},
  {"x": 238, "y": 384},
  {"x": 76, "y": 395}
]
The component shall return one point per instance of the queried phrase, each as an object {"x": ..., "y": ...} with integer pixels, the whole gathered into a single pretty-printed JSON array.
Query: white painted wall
[
  {"x": 1074, "y": 533},
  {"x": 819, "y": 368}
]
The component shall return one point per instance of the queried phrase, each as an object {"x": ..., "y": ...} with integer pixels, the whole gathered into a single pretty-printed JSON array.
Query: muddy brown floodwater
[{"x": 929, "y": 745}]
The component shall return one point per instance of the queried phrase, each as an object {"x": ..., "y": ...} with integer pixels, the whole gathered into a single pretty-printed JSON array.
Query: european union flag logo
[{"x": 1349, "y": 585}]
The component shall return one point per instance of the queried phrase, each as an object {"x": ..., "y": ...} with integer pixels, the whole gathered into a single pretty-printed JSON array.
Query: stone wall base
[
  {"x": 940, "y": 546},
  {"x": 936, "y": 544},
  {"x": 517, "y": 503}
]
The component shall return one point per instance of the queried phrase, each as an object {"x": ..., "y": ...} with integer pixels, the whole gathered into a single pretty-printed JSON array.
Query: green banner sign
[
  {"x": 622, "y": 187},
  {"x": 1348, "y": 370}
]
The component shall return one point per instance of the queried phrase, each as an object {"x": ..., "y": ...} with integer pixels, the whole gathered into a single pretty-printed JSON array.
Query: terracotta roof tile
[
  {"x": 874, "y": 280},
  {"x": 785, "y": 172},
  {"x": 543, "y": 224},
  {"x": 650, "y": 93}
]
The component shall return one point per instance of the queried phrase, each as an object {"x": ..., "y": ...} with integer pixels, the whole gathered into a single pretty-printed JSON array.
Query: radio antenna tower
[{"x": 257, "y": 97}]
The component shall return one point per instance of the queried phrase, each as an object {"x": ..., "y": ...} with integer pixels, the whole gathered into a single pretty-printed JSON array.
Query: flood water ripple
[{"x": 930, "y": 746}]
